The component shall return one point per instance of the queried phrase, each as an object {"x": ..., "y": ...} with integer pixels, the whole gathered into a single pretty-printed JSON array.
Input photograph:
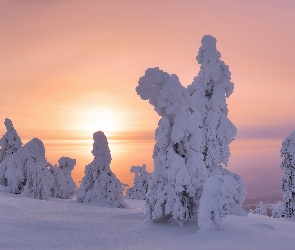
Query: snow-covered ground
[{"x": 64, "y": 224}]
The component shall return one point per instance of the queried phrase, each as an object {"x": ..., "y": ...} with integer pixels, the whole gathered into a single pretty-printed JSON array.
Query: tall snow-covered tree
[
  {"x": 10, "y": 142},
  {"x": 288, "y": 181},
  {"x": 63, "y": 187},
  {"x": 100, "y": 185},
  {"x": 27, "y": 173},
  {"x": 192, "y": 138},
  {"x": 140, "y": 187},
  {"x": 179, "y": 170},
  {"x": 208, "y": 94}
]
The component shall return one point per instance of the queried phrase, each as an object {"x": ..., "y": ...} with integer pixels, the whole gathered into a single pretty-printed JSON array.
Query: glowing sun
[{"x": 102, "y": 118}]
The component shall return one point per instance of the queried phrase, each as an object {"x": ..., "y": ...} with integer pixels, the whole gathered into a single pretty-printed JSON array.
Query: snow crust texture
[
  {"x": 100, "y": 185},
  {"x": 192, "y": 139}
]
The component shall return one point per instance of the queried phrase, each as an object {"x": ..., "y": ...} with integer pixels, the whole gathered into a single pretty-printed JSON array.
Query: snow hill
[{"x": 65, "y": 224}]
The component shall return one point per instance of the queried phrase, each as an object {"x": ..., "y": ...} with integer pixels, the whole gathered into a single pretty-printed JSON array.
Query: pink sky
[{"x": 70, "y": 68}]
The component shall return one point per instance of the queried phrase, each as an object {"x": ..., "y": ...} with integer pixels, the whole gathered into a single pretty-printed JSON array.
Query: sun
[{"x": 104, "y": 119}]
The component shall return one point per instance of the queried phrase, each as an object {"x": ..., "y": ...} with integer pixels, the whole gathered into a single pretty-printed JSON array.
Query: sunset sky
[{"x": 70, "y": 68}]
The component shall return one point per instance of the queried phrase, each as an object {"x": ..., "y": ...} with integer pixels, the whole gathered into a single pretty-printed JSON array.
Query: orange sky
[{"x": 70, "y": 68}]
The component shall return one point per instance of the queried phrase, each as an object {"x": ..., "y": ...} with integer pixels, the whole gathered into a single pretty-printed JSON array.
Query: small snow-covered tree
[
  {"x": 63, "y": 187},
  {"x": 261, "y": 210},
  {"x": 208, "y": 94},
  {"x": 27, "y": 173},
  {"x": 10, "y": 142},
  {"x": 278, "y": 211},
  {"x": 288, "y": 181},
  {"x": 140, "y": 187},
  {"x": 217, "y": 200},
  {"x": 100, "y": 185},
  {"x": 179, "y": 170},
  {"x": 240, "y": 194}
]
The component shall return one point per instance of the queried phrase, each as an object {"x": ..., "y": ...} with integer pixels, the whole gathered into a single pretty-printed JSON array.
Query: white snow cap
[
  {"x": 67, "y": 164},
  {"x": 35, "y": 149},
  {"x": 209, "y": 42},
  {"x": 101, "y": 149}
]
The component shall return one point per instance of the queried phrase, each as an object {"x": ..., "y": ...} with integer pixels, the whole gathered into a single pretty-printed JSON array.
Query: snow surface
[{"x": 64, "y": 224}]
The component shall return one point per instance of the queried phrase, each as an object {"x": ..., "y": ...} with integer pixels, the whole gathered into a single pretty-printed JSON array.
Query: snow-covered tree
[
  {"x": 140, "y": 187},
  {"x": 261, "y": 210},
  {"x": 278, "y": 211},
  {"x": 63, "y": 187},
  {"x": 192, "y": 138},
  {"x": 208, "y": 94},
  {"x": 217, "y": 200},
  {"x": 100, "y": 185},
  {"x": 179, "y": 170},
  {"x": 10, "y": 142},
  {"x": 288, "y": 181},
  {"x": 27, "y": 173}
]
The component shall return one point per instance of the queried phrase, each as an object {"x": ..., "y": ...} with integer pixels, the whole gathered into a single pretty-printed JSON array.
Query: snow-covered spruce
[
  {"x": 261, "y": 210},
  {"x": 100, "y": 185},
  {"x": 208, "y": 94},
  {"x": 140, "y": 187},
  {"x": 179, "y": 169},
  {"x": 193, "y": 136},
  {"x": 217, "y": 200},
  {"x": 63, "y": 187},
  {"x": 288, "y": 181},
  {"x": 27, "y": 173},
  {"x": 278, "y": 211},
  {"x": 10, "y": 142}
]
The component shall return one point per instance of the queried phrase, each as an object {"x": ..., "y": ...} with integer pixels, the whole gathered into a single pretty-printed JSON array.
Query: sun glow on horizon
[
  {"x": 103, "y": 119},
  {"x": 82, "y": 120}
]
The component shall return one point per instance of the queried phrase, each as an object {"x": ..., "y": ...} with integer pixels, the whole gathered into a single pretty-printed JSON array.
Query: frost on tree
[
  {"x": 140, "y": 187},
  {"x": 208, "y": 94},
  {"x": 179, "y": 170},
  {"x": 63, "y": 187},
  {"x": 288, "y": 181},
  {"x": 27, "y": 173},
  {"x": 10, "y": 143},
  {"x": 100, "y": 185}
]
